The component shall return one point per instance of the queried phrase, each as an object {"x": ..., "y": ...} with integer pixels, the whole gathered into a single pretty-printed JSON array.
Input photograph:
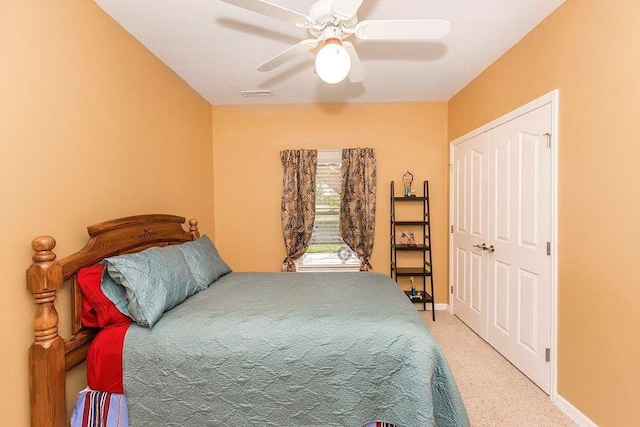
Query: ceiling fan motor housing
[{"x": 322, "y": 17}]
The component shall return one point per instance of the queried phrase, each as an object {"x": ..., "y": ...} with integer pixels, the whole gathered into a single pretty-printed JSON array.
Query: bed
[{"x": 250, "y": 349}]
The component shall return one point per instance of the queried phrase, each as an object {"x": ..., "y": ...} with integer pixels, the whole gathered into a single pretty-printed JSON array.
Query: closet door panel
[
  {"x": 519, "y": 280},
  {"x": 470, "y": 228}
]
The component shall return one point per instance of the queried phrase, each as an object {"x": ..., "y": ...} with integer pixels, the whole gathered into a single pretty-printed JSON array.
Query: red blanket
[{"x": 104, "y": 360}]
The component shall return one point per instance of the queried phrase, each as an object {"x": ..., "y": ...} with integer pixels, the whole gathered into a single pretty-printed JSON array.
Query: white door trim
[{"x": 553, "y": 99}]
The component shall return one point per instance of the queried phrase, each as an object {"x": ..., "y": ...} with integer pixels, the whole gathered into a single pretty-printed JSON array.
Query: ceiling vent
[{"x": 258, "y": 92}]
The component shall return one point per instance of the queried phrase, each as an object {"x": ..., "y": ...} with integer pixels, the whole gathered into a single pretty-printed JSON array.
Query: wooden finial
[
  {"x": 43, "y": 247},
  {"x": 44, "y": 278},
  {"x": 193, "y": 227}
]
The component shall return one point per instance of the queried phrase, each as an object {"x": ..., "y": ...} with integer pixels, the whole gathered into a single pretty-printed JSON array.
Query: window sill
[{"x": 325, "y": 268}]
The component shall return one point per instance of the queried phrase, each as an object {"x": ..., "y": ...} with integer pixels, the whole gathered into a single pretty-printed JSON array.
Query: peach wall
[
  {"x": 248, "y": 173},
  {"x": 587, "y": 49},
  {"x": 92, "y": 127}
]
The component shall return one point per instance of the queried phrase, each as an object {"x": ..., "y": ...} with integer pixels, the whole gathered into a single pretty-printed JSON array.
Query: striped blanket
[{"x": 100, "y": 409}]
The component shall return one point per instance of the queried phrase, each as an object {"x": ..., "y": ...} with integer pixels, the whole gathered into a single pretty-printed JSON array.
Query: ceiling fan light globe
[{"x": 333, "y": 63}]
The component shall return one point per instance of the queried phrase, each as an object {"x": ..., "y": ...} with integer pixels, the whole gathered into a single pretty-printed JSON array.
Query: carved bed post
[
  {"x": 46, "y": 354},
  {"x": 193, "y": 227}
]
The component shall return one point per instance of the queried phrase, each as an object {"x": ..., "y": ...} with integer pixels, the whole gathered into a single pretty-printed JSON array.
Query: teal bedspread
[{"x": 290, "y": 349}]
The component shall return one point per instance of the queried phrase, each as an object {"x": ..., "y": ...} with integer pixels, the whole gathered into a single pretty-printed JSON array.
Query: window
[{"x": 327, "y": 250}]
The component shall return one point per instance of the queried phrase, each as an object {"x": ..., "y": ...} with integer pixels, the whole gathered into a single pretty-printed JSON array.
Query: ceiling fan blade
[
  {"x": 289, "y": 54},
  {"x": 418, "y": 29},
  {"x": 356, "y": 74},
  {"x": 272, "y": 10},
  {"x": 345, "y": 9}
]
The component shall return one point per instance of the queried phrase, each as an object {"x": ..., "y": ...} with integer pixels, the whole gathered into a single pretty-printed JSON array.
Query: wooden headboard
[{"x": 51, "y": 356}]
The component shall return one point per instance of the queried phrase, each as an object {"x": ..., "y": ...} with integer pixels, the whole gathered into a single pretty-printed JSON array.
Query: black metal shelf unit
[{"x": 423, "y": 273}]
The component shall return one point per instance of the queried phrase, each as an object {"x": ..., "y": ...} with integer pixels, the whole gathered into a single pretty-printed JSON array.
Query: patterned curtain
[
  {"x": 358, "y": 203},
  {"x": 298, "y": 202}
]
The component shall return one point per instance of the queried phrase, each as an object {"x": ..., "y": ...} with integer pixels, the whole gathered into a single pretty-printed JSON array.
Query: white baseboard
[
  {"x": 438, "y": 306},
  {"x": 578, "y": 417}
]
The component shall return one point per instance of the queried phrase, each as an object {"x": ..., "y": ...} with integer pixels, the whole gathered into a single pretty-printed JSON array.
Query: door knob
[{"x": 484, "y": 247}]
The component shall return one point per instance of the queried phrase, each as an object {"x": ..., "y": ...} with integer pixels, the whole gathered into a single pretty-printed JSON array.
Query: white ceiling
[{"x": 215, "y": 47}]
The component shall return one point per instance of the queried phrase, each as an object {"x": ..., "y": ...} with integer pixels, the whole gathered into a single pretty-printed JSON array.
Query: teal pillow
[
  {"x": 204, "y": 261},
  {"x": 146, "y": 284},
  {"x": 115, "y": 292}
]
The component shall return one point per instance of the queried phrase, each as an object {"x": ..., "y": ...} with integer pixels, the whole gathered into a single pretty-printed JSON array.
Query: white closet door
[
  {"x": 519, "y": 270},
  {"x": 502, "y": 198},
  {"x": 470, "y": 170}
]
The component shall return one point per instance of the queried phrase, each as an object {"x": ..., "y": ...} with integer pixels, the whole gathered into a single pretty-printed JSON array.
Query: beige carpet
[{"x": 494, "y": 392}]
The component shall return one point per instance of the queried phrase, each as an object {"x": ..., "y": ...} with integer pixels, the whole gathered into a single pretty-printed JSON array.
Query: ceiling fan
[{"x": 330, "y": 22}]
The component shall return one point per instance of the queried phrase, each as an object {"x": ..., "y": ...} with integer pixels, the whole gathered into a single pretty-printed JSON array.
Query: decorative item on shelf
[
  {"x": 407, "y": 179},
  {"x": 404, "y": 238},
  {"x": 414, "y": 293},
  {"x": 412, "y": 239}
]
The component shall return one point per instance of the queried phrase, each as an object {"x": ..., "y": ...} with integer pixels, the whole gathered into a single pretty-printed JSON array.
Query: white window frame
[{"x": 325, "y": 157}]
